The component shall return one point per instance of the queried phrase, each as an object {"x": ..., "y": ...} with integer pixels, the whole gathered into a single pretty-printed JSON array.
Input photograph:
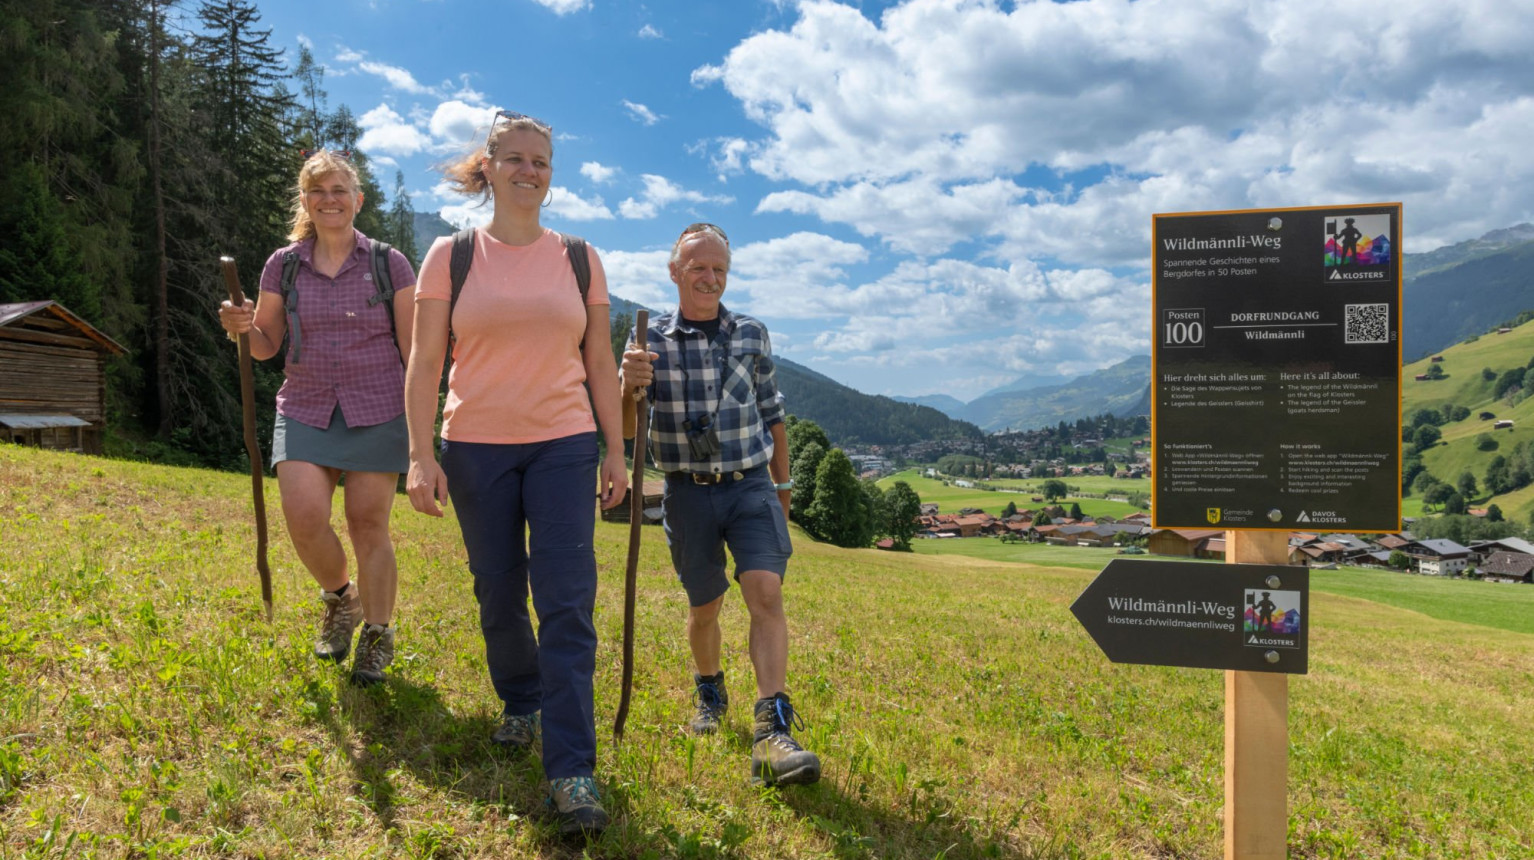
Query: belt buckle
[{"x": 704, "y": 479}]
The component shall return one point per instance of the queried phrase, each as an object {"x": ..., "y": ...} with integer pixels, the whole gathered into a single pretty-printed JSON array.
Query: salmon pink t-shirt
[{"x": 517, "y": 372}]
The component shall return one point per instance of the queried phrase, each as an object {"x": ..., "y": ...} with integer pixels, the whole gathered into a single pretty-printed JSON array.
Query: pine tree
[{"x": 402, "y": 222}]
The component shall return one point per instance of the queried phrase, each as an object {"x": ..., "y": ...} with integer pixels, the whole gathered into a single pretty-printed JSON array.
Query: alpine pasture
[{"x": 148, "y": 710}]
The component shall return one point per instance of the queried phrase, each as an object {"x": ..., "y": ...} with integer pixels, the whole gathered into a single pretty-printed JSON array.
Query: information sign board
[
  {"x": 1248, "y": 617},
  {"x": 1276, "y": 369}
]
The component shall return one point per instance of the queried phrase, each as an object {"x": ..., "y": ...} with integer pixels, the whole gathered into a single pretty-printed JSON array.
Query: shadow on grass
[{"x": 404, "y": 727}]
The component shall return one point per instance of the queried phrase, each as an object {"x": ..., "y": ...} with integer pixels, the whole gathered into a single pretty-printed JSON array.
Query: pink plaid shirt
[{"x": 348, "y": 355}]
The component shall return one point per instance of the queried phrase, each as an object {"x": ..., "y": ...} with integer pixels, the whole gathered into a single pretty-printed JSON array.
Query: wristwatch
[{"x": 786, "y": 485}]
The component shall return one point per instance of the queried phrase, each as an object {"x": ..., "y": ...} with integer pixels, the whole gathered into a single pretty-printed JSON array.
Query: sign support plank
[{"x": 1256, "y": 733}]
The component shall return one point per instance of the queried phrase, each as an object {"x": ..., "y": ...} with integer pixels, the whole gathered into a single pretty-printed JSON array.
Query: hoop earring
[{"x": 549, "y": 199}]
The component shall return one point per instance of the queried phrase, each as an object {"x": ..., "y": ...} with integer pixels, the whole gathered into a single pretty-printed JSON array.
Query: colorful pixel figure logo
[
  {"x": 1272, "y": 618},
  {"x": 1358, "y": 241}
]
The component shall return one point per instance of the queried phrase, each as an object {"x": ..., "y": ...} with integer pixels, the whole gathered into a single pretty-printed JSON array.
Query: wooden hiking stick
[
  {"x": 636, "y": 521},
  {"x": 252, "y": 450}
]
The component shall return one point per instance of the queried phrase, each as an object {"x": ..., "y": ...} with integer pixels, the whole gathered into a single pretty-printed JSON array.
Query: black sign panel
[
  {"x": 1276, "y": 380},
  {"x": 1251, "y": 617}
]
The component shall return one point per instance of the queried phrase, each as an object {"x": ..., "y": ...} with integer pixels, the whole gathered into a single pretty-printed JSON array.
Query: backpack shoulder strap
[
  {"x": 458, "y": 268},
  {"x": 383, "y": 285},
  {"x": 290, "y": 301},
  {"x": 575, "y": 249}
]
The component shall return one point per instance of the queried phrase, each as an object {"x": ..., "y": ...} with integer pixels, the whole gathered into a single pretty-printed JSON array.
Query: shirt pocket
[{"x": 739, "y": 383}]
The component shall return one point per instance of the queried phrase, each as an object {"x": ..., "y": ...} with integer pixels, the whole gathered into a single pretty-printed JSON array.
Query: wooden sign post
[{"x": 1256, "y": 733}]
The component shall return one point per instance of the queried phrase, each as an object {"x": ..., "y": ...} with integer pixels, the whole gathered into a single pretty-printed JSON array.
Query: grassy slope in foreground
[{"x": 146, "y": 710}]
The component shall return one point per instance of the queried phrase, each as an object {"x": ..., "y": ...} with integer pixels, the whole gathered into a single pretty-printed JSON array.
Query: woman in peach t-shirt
[{"x": 519, "y": 451}]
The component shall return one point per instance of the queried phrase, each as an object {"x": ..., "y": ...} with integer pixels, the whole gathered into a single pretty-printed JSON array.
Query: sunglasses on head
[
  {"x": 307, "y": 154},
  {"x": 514, "y": 116},
  {"x": 704, "y": 226}
]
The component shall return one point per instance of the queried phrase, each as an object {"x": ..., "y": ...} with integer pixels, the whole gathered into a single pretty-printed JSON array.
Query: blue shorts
[{"x": 701, "y": 519}]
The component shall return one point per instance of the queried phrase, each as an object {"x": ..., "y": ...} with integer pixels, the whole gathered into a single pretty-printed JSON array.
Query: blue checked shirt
[{"x": 732, "y": 379}]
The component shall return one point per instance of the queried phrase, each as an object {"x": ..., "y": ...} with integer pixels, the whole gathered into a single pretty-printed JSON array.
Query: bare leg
[
  {"x": 704, "y": 636},
  {"x": 369, "y": 497},
  {"x": 306, "y": 491},
  {"x": 763, "y": 591}
]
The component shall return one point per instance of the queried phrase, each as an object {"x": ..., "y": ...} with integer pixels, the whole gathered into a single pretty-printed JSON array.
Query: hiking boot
[
  {"x": 577, "y": 806},
  {"x": 342, "y": 615},
  {"x": 776, "y": 758},
  {"x": 517, "y": 731},
  {"x": 375, "y": 651},
  {"x": 712, "y": 702}
]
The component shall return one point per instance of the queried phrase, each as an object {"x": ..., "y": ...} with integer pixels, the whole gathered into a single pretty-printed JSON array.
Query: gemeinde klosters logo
[{"x": 1357, "y": 248}]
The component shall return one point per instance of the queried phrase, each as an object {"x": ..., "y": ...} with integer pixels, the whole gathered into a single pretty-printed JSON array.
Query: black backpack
[
  {"x": 383, "y": 284},
  {"x": 463, "y": 259}
]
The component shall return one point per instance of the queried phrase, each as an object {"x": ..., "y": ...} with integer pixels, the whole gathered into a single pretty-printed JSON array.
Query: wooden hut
[{"x": 52, "y": 377}]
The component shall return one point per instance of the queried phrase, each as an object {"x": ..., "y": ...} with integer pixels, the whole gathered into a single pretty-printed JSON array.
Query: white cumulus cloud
[{"x": 387, "y": 133}]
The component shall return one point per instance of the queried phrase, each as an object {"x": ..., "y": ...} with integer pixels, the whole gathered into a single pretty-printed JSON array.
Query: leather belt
[{"x": 707, "y": 478}]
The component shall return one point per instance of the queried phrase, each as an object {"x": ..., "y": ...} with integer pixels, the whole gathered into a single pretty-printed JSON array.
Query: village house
[
  {"x": 1439, "y": 557},
  {"x": 1503, "y": 566},
  {"x": 1188, "y": 543}
]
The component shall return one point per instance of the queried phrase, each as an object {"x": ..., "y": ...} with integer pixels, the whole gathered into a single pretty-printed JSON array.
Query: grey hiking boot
[
  {"x": 517, "y": 731},
  {"x": 342, "y": 615},
  {"x": 375, "y": 651},
  {"x": 776, "y": 758},
  {"x": 577, "y": 806},
  {"x": 712, "y": 702}
]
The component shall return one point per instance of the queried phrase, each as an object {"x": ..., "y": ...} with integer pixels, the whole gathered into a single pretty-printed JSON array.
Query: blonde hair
[
  {"x": 466, "y": 176},
  {"x": 316, "y": 166}
]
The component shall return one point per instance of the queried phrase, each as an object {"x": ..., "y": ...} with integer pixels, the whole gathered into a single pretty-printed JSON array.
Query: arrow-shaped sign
[{"x": 1251, "y": 617}]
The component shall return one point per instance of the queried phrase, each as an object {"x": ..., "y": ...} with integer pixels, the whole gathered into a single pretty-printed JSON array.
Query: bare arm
[
  {"x": 264, "y": 321},
  {"x": 778, "y": 466},
  {"x": 602, "y": 381},
  {"x": 425, "y": 484},
  {"x": 404, "y": 320}
]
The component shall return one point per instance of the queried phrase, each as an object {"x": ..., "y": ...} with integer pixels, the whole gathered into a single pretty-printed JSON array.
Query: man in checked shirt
[{"x": 716, "y": 429}]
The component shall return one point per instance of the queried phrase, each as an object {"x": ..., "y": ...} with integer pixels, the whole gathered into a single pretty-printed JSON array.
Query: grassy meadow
[
  {"x": 1464, "y": 385},
  {"x": 148, "y": 711},
  {"x": 952, "y": 499}
]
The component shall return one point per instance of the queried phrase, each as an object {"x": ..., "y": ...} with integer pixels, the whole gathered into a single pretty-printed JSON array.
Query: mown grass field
[
  {"x": 147, "y": 709},
  {"x": 953, "y": 499}
]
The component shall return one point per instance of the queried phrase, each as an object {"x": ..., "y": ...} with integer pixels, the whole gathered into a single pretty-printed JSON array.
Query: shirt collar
[
  {"x": 675, "y": 327},
  {"x": 306, "y": 247}
]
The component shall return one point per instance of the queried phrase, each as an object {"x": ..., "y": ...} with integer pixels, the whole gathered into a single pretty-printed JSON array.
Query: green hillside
[
  {"x": 147, "y": 709},
  {"x": 1465, "y": 385}
]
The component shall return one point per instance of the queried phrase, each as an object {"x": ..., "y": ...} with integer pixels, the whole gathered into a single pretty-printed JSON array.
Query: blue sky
[{"x": 939, "y": 197}]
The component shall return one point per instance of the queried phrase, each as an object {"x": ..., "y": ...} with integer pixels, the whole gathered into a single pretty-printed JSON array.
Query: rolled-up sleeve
[{"x": 769, "y": 400}]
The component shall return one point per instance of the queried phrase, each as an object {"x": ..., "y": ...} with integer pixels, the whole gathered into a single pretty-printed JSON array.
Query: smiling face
[
  {"x": 521, "y": 168},
  {"x": 332, "y": 201},
  {"x": 700, "y": 269}
]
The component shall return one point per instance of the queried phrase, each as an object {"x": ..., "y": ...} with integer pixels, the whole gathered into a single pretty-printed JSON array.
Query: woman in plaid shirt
[{"x": 341, "y": 409}]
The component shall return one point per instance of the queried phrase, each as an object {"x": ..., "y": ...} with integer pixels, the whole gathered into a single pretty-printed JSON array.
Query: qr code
[{"x": 1366, "y": 324}]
